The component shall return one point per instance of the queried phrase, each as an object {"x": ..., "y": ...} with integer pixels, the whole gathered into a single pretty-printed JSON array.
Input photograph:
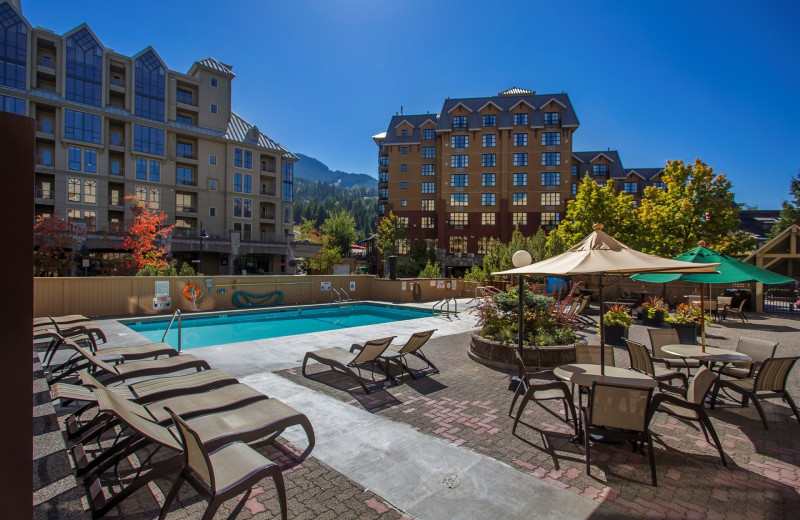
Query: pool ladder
[
  {"x": 443, "y": 306},
  {"x": 339, "y": 293},
  {"x": 175, "y": 314}
]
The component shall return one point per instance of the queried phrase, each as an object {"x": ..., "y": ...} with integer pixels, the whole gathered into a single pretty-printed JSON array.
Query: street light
[{"x": 202, "y": 236}]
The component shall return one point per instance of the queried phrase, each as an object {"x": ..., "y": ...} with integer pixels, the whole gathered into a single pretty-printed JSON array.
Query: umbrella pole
[
  {"x": 602, "y": 330},
  {"x": 702, "y": 319},
  {"x": 520, "y": 320}
]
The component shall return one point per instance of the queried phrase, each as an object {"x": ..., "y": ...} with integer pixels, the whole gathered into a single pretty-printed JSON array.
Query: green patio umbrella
[{"x": 731, "y": 270}]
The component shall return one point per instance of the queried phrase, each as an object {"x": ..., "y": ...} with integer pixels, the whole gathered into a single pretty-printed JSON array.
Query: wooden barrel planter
[{"x": 503, "y": 355}]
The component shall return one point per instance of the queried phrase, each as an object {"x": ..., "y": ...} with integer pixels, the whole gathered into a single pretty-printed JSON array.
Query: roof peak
[
  {"x": 516, "y": 91},
  {"x": 217, "y": 65}
]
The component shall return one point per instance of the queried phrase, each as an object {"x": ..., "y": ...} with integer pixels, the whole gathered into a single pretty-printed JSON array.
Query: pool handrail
[{"x": 174, "y": 314}]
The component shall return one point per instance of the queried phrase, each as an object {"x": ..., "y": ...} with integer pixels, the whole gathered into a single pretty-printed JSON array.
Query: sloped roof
[
  {"x": 213, "y": 64},
  {"x": 646, "y": 173},
  {"x": 240, "y": 130},
  {"x": 415, "y": 136},
  {"x": 615, "y": 169},
  {"x": 506, "y": 101}
]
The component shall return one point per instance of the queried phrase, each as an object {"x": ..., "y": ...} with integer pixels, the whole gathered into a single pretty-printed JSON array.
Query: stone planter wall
[{"x": 503, "y": 355}]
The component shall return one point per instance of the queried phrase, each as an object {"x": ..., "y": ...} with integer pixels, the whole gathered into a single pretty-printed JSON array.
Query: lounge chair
[
  {"x": 339, "y": 359},
  {"x": 61, "y": 320},
  {"x": 412, "y": 347},
  {"x": 56, "y": 335},
  {"x": 133, "y": 369},
  {"x": 541, "y": 391},
  {"x": 113, "y": 354},
  {"x": 221, "y": 474},
  {"x": 261, "y": 419},
  {"x": 641, "y": 361}
]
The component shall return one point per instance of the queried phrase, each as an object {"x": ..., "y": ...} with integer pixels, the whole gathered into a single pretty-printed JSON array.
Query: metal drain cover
[{"x": 453, "y": 481}]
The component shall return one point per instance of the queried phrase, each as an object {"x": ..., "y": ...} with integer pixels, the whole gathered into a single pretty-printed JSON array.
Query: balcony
[
  {"x": 267, "y": 192},
  {"x": 116, "y": 143},
  {"x": 117, "y": 84},
  {"x": 45, "y": 194},
  {"x": 186, "y": 154},
  {"x": 186, "y": 208},
  {"x": 46, "y": 66},
  {"x": 184, "y": 232},
  {"x": 44, "y": 162},
  {"x": 267, "y": 216},
  {"x": 45, "y": 130}
]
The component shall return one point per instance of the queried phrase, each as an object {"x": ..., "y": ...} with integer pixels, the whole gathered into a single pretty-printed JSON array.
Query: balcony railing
[
  {"x": 44, "y": 129},
  {"x": 267, "y": 216},
  {"x": 186, "y": 155},
  {"x": 185, "y": 233},
  {"x": 268, "y": 193},
  {"x": 44, "y": 193},
  {"x": 120, "y": 142},
  {"x": 183, "y": 208},
  {"x": 119, "y": 171},
  {"x": 186, "y": 182},
  {"x": 118, "y": 201},
  {"x": 44, "y": 161},
  {"x": 267, "y": 169}
]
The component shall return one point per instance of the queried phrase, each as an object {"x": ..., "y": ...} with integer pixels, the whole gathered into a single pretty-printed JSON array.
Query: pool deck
[{"x": 441, "y": 446}]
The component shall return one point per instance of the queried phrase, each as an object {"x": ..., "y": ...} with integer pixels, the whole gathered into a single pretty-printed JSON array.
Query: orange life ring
[{"x": 191, "y": 291}]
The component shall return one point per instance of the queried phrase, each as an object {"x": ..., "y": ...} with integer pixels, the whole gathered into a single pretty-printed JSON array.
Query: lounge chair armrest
[
  {"x": 356, "y": 346},
  {"x": 663, "y": 361},
  {"x": 754, "y": 367},
  {"x": 662, "y": 397}
]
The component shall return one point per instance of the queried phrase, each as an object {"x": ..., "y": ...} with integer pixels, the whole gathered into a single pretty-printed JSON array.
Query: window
[
  {"x": 248, "y": 183},
  {"x": 520, "y": 119},
  {"x": 429, "y": 134},
  {"x": 483, "y": 245},
  {"x": 245, "y": 230},
  {"x": 237, "y": 207},
  {"x": 13, "y": 52},
  {"x": 237, "y": 182},
  {"x": 115, "y": 167},
  {"x": 459, "y": 180},
  {"x": 458, "y": 245},
  {"x": 141, "y": 169},
  {"x": 403, "y": 246},
  {"x": 73, "y": 190},
  {"x": 184, "y": 150},
  {"x": 488, "y": 219},
  {"x": 519, "y": 219},
  {"x": 84, "y": 69},
  {"x": 520, "y": 179},
  {"x": 459, "y": 141},
  {"x": 635, "y": 203},
  {"x": 426, "y": 223},
  {"x": 237, "y": 157},
  {"x": 551, "y": 158},
  {"x": 520, "y": 159},
  {"x": 551, "y": 179},
  {"x": 459, "y": 199},
  {"x": 116, "y": 139},
  {"x": 550, "y": 218},
  {"x": 460, "y": 122},
  {"x": 551, "y": 138},
  {"x": 149, "y": 98},
  {"x": 489, "y": 179},
  {"x": 383, "y": 193},
  {"x": 184, "y": 202},
  {"x": 212, "y": 211},
  {"x": 459, "y": 219},
  {"x": 428, "y": 204},
  {"x": 404, "y": 149},
  {"x": 383, "y": 161},
  {"x": 402, "y": 221},
  {"x": 149, "y": 196},
  {"x": 520, "y": 199},
  {"x": 81, "y": 126},
  {"x": 187, "y": 120},
  {"x": 116, "y": 196},
  {"x": 90, "y": 161},
  {"x": 383, "y": 177},
  {"x": 551, "y": 118},
  {"x": 403, "y": 185},
  {"x": 631, "y": 187},
  {"x": 520, "y": 139},
  {"x": 574, "y": 170},
  {"x": 490, "y": 120},
  {"x": 213, "y": 108},
  {"x": 214, "y": 82},
  {"x": 403, "y": 203},
  {"x": 659, "y": 184},
  {"x": 428, "y": 187},
  {"x": 288, "y": 182},
  {"x": 74, "y": 214},
  {"x": 74, "y": 158},
  {"x": 248, "y": 208},
  {"x": 184, "y": 96},
  {"x": 428, "y": 169},
  {"x": 47, "y": 158},
  {"x": 428, "y": 152},
  {"x": 147, "y": 139},
  {"x": 459, "y": 161},
  {"x": 212, "y": 159},
  {"x": 487, "y": 199},
  {"x": 574, "y": 188},
  {"x": 551, "y": 199},
  {"x": 17, "y": 106},
  {"x": 489, "y": 159},
  {"x": 90, "y": 218},
  {"x": 403, "y": 167},
  {"x": 184, "y": 176},
  {"x": 489, "y": 140},
  {"x": 600, "y": 169},
  {"x": 212, "y": 184},
  {"x": 404, "y": 133}
]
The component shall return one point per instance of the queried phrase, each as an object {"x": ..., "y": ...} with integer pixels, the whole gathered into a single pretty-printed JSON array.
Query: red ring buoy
[{"x": 191, "y": 291}]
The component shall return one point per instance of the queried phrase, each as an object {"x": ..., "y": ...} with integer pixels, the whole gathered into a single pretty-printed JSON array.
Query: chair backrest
[
  {"x": 91, "y": 357},
  {"x": 701, "y": 383},
  {"x": 522, "y": 367},
  {"x": 590, "y": 354},
  {"x": 710, "y": 305},
  {"x": 742, "y": 304},
  {"x": 640, "y": 357},
  {"x": 621, "y": 407},
  {"x": 724, "y": 300},
  {"x": 759, "y": 350},
  {"x": 124, "y": 411},
  {"x": 373, "y": 349},
  {"x": 416, "y": 341},
  {"x": 196, "y": 455},
  {"x": 582, "y": 305},
  {"x": 661, "y": 337},
  {"x": 693, "y": 298},
  {"x": 773, "y": 374}
]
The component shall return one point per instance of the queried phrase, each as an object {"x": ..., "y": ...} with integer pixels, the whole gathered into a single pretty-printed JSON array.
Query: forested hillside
[
  {"x": 315, "y": 170},
  {"x": 316, "y": 200}
]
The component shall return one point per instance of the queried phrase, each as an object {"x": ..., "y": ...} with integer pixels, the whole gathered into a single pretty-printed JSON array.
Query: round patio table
[
  {"x": 585, "y": 374},
  {"x": 711, "y": 354}
]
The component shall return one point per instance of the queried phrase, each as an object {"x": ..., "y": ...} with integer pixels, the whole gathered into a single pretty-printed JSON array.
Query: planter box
[
  {"x": 655, "y": 321},
  {"x": 687, "y": 332},
  {"x": 616, "y": 335},
  {"x": 504, "y": 355}
]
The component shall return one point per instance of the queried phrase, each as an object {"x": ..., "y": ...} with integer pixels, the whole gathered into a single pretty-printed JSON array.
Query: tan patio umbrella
[{"x": 599, "y": 254}]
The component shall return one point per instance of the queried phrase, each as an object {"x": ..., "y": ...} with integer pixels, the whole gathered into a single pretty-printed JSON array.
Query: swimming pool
[{"x": 232, "y": 327}]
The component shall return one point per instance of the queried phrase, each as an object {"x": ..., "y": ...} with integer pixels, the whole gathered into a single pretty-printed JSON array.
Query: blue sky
[{"x": 719, "y": 80}]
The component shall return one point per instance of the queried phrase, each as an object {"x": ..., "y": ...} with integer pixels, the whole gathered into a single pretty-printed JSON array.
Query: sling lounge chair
[
  {"x": 132, "y": 353},
  {"x": 412, "y": 347},
  {"x": 341, "y": 360}
]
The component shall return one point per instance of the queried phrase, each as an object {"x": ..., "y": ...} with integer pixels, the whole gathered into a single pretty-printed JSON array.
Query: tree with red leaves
[
  {"x": 140, "y": 238},
  {"x": 53, "y": 237}
]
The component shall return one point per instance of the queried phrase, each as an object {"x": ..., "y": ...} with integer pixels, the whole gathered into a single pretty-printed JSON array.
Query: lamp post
[
  {"x": 202, "y": 236},
  {"x": 520, "y": 259}
]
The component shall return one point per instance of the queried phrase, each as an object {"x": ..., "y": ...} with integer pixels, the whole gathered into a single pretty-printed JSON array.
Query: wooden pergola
[{"x": 780, "y": 255}]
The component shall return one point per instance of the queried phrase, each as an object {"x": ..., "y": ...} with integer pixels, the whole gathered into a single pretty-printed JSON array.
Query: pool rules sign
[{"x": 162, "y": 300}]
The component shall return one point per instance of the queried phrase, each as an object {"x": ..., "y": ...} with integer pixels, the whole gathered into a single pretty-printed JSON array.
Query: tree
[
  {"x": 790, "y": 213},
  {"x": 429, "y": 271},
  {"x": 52, "y": 238},
  {"x": 327, "y": 255},
  {"x": 593, "y": 204},
  {"x": 390, "y": 230},
  {"x": 146, "y": 227},
  {"x": 341, "y": 227},
  {"x": 696, "y": 205}
]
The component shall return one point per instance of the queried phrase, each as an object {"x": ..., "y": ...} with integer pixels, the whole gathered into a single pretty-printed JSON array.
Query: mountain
[{"x": 315, "y": 170}]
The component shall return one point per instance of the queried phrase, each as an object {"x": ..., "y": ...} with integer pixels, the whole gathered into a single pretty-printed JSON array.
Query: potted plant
[
  {"x": 686, "y": 320},
  {"x": 616, "y": 322},
  {"x": 654, "y": 310}
]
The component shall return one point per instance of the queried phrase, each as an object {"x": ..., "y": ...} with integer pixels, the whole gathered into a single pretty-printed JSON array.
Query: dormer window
[
  {"x": 551, "y": 118},
  {"x": 404, "y": 133},
  {"x": 520, "y": 119},
  {"x": 600, "y": 169},
  {"x": 490, "y": 120},
  {"x": 460, "y": 122}
]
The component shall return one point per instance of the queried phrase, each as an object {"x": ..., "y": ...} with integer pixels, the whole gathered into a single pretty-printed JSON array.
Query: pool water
[{"x": 220, "y": 328}]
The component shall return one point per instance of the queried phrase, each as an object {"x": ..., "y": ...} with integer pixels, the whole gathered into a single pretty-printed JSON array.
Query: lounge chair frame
[{"x": 370, "y": 353}]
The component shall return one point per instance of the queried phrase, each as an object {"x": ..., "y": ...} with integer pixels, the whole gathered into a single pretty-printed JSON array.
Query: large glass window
[
  {"x": 428, "y": 187},
  {"x": 551, "y": 138},
  {"x": 519, "y": 219},
  {"x": 483, "y": 245},
  {"x": 459, "y": 121},
  {"x": 459, "y": 199},
  {"x": 600, "y": 169},
  {"x": 550, "y": 218},
  {"x": 459, "y": 141},
  {"x": 237, "y": 207},
  {"x": 90, "y": 161},
  {"x": 248, "y": 159},
  {"x": 489, "y": 159},
  {"x": 184, "y": 96},
  {"x": 428, "y": 169},
  {"x": 237, "y": 157},
  {"x": 631, "y": 187},
  {"x": 288, "y": 182},
  {"x": 488, "y": 179},
  {"x": 488, "y": 199},
  {"x": 427, "y": 223},
  {"x": 81, "y": 126},
  {"x": 141, "y": 168},
  {"x": 459, "y": 219},
  {"x": 17, "y": 106},
  {"x": 551, "y": 179},
  {"x": 520, "y": 139},
  {"x": 489, "y": 140},
  {"x": 155, "y": 171},
  {"x": 520, "y": 159},
  {"x": 84, "y": 69},
  {"x": 74, "y": 162},
  {"x": 551, "y": 158},
  {"x": 185, "y": 150},
  {"x": 90, "y": 192},
  {"x": 551, "y": 199},
  {"x": 459, "y": 161},
  {"x": 13, "y": 48},
  {"x": 520, "y": 179},
  {"x": 429, "y": 134},
  {"x": 551, "y": 118},
  {"x": 184, "y": 176},
  {"x": 248, "y": 183},
  {"x": 459, "y": 180},
  {"x": 428, "y": 152},
  {"x": 73, "y": 190},
  {"x": 488, "y": 219},
  {"x": 520, "y": 119},
  {"x": 520, "y": 199},
  {"x": 458, "y": 245},
  {"x": 428, "y": 204},
  {"x": 147, "y": 139},
  {"x": 149, "y": 86},
  {"x": 237, "y": 182},
  {"x": 490, "y": 120}
]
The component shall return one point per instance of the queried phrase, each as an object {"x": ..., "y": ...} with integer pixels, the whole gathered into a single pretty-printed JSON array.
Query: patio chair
[
  {"x": 121, "y": 372},
  {"x": 222, "y": 474},
  {"x": 641, "y": 361},
  {"x": 343, "y": 361},
  {"x": 590, "y": 354},
  {"x": 690, "y": 407},
  {"x": 412, "y": 347},
  {"x": 735, "y": 311},
  {"x": 579, "y": 312},
  {"x": 661, "y": 337},
  {"x": 619, "y": 412},
  {"x": 541, "y": 391},
  {"x": 769, "y": 382},
  {"x": 759, "y": 351}
]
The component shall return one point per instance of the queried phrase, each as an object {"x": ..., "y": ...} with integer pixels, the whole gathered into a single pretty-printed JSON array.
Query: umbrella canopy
[{"x": 731, "y": 270}]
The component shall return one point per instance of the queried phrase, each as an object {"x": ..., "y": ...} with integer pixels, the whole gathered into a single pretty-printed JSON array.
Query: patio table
[{"x": 711, "y": 354}]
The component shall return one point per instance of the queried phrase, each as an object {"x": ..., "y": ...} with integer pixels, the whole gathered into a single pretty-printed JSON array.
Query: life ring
[
  {"x": 417, "y": 291},
  {"x": 191, "y": 291},
  {"x": 448, "y": 285}
]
